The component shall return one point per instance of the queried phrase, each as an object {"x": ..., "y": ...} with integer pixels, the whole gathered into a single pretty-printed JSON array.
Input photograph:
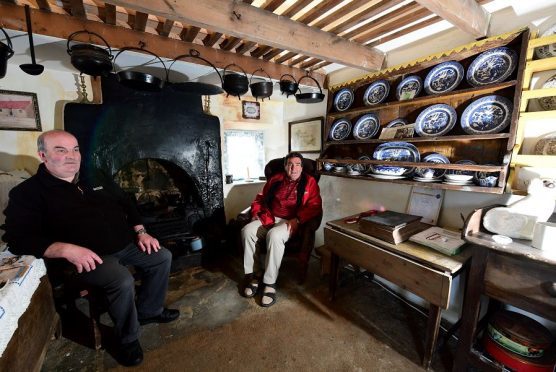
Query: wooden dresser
[{"x": 515, "y": 274}]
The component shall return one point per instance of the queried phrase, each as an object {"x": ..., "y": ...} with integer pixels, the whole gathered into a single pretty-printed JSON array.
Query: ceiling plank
[
  {"x": 260, "y": 50},
  {"x": 245, "y": 46},
  {"x": 285, "y": 57},
  {"x": 211, "y": 38},
  {"x": 61, "y": 26},
  {"x": 140, "y": 22},
  {"x": 110, "y": 14},
  {"x": 364, "y": 16},
  {"x": 466, "y": 15},
  {"x": 273, "y": 53},
  {"x": 295, "y": 8},
  {"x": 248, "y": 22}
]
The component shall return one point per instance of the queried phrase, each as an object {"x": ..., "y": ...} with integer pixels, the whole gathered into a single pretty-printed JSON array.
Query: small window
[{"x": 244, "y": 153}]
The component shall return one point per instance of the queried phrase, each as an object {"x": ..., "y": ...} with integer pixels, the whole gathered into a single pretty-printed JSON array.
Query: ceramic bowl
[
  {"x": 459, "y": 177},
  {"x": 488, "y": 181}
]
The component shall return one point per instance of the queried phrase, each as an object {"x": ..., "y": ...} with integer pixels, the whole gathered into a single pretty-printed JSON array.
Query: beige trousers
[{"x": 253, "y": 236}]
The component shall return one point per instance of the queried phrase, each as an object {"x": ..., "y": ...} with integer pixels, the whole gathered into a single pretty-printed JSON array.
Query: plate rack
[
  {"x": 527, "y": 118},
  {"x": 485, "y": 149}
]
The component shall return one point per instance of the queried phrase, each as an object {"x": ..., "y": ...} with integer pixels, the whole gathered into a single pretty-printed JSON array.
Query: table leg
[
  {"x": 334, "y": 263},
  {"x": 433, "y": 326}
]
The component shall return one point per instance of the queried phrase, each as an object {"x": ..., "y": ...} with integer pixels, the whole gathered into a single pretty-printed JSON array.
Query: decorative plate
[
  {"x": 546, "y": 145},
  {"x": 386, "y": 176},
  {"x": 492, "y": 66},
  {"x": 435, "y": 120},
  {"x": 362, "y": 168},
  {"x": 366, "y": 126},
  {"x": 395, "y": 151},
  {"x": 547, "y": 51},
  {"x": 376, "y": 92},
  {"x": 424, "y": 179},
  {"x": 455, "y": 175},
  {"x": 430, "y": 172},
  {"x": 444, "y": 77},
  {"x": 396, "y": 123},
  {"x": 409, "y": 88},
  {"x": 490, "y": 114},
  {"x": 549, "y": 103},
  {"x": 343, "y": 99},
  {"x": 340, "y": 129}
]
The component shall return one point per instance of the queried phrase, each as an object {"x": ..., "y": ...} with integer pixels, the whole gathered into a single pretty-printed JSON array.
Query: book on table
[
  {"x": 442, "y": 240},
  {"x": 393, "y": 227}
]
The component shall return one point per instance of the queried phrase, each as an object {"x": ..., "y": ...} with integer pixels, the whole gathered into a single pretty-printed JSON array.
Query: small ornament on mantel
[
  {"x": 83, "y": 92},
  {"x": 206, "y": 105}
]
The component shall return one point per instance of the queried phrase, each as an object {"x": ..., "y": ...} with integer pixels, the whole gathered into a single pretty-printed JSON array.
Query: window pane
[{"x": 244, "y": 153}]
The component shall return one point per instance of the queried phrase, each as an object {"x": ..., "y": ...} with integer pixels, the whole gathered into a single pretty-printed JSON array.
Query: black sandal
[
  {"x": 271, "y": 295},
  {"x": 254, "y": 287}
]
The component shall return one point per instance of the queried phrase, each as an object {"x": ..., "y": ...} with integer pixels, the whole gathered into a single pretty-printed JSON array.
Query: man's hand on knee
[{"x": 147, "y": 243}]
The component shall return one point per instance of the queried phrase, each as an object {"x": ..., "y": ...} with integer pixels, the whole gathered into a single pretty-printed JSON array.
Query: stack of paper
[{"x": 442, "y": 240}]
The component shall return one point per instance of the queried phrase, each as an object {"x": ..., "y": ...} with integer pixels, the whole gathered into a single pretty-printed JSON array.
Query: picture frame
[
  {"x": 250, "y": 110},
  {"x": 19, "y": 111},
  {"x": 306, "y": 135}
]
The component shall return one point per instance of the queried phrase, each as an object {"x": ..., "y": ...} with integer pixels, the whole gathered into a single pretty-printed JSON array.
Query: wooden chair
[{"x": 302, "y": 243}]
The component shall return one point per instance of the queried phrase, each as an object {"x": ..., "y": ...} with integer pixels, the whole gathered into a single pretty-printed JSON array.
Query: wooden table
[
  {"x": 514, "y": 274},
  {"x": 27, "y": 347},
  {"x": 414, "y": 267}
]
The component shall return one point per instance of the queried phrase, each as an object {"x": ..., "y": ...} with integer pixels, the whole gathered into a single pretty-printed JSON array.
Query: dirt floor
[{"x": 364, "y": 329}]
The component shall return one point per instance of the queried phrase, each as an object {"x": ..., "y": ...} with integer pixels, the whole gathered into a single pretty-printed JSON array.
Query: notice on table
[{"x": 426, "y": 203}]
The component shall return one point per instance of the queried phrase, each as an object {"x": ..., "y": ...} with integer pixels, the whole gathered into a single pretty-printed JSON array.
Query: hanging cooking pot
[
  {"x": 6, "y": 52},
  {"x": 235, "y": 84},
  {"x": 203, "y": 89},
  {"x": 141, "y": 80},
  {"x": 287, "y": 86},
  {"x": 90, "y": 59},
  {"x": 309, "y": 97},
  {"x": 261, "y": 89}
]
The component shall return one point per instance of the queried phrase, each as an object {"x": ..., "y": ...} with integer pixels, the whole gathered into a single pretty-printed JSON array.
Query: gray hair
[{"x": 41, "y": 140}]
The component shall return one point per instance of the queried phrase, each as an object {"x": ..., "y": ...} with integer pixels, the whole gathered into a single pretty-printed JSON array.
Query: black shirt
[{"x": 93, "y": 213}]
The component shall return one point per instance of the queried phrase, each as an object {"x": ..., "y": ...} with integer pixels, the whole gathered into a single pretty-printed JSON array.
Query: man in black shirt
[{"x": 90, "y": 223}]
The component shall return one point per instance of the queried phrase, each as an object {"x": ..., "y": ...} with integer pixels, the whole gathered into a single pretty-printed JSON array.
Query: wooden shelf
[
  {"x": 546, "y": 161},
  {"x": 457, "y": 145},
  {"x": 425, "y": 100},
  {"x": 463, "y": 138}
]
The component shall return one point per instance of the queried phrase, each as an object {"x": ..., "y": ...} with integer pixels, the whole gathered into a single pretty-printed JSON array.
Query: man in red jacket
[{"x": 288, "y": 199}]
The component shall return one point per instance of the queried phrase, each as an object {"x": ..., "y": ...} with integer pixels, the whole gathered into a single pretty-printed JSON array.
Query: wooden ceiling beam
[
  {"x": 61, "y": 26},
  {"x": 248, "y": 22},
  {"x": 44, "y": 5},
  {"x": 466, "y": 15},
  {"x": 229, "y": 43},
  {"x": 285, "y": 57},
  {"x": 78, "y": 9},
  {"x": 273, "y": 53},
  {"x": 259, "y": 51},
  {"x": 245, "y": 46},
  {"x": 211, "y": 38},
  {"x": 140, "y": 21},
  {"x": 165, "y": 27},
  {"x": 110, "y": 14},
  {"x": 189, "y": 34},
  {"x": 364, "y": 16},
  {"x": 295, "y": 8}
]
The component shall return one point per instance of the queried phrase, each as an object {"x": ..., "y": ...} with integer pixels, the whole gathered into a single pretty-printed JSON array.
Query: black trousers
[{"x": 115, "y": 279}]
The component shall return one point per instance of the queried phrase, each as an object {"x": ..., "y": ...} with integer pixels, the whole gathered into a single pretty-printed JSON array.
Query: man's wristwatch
[{"x": 141, "y": 231}]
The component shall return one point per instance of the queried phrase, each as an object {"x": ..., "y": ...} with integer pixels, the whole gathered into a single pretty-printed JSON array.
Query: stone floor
[{"x": 365, "y": 329}]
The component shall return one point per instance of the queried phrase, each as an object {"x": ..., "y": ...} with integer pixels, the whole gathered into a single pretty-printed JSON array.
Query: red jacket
[{"x": 311, "y": 202}]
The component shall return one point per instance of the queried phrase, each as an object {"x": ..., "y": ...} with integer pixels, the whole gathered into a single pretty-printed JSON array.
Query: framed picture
[
  {"x": 306, "y": 135},
  {"x": 19, "y": 111},
  {"x": 251, "y": 110}
]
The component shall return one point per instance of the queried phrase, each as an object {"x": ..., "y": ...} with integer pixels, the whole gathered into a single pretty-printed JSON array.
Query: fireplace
[{"x": 163, "y": 150}]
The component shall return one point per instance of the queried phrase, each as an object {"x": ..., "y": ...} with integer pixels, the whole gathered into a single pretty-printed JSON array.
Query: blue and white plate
[
  {"x": 343, "y": 99},
  {"x": 430, "y": 172},
  {"x": 409, "y": 88},
  {"x": 547, "y": 51},
  {"x": 366, "y": 126},
  {"x": 340, "y": 129},
  {"x": 362, "y": 168},
  {"x": 444, "y": 77},
  {"x": 395, "y": 151},
  {"x": 435, "y": 120},
  {"x": 490, "y": 114},
  {"x": 492, "y": 66},
  {"x": 456, "y": 175},
  {"x": 396, "y": 123},
  {"x": 376, "y": 92}
]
